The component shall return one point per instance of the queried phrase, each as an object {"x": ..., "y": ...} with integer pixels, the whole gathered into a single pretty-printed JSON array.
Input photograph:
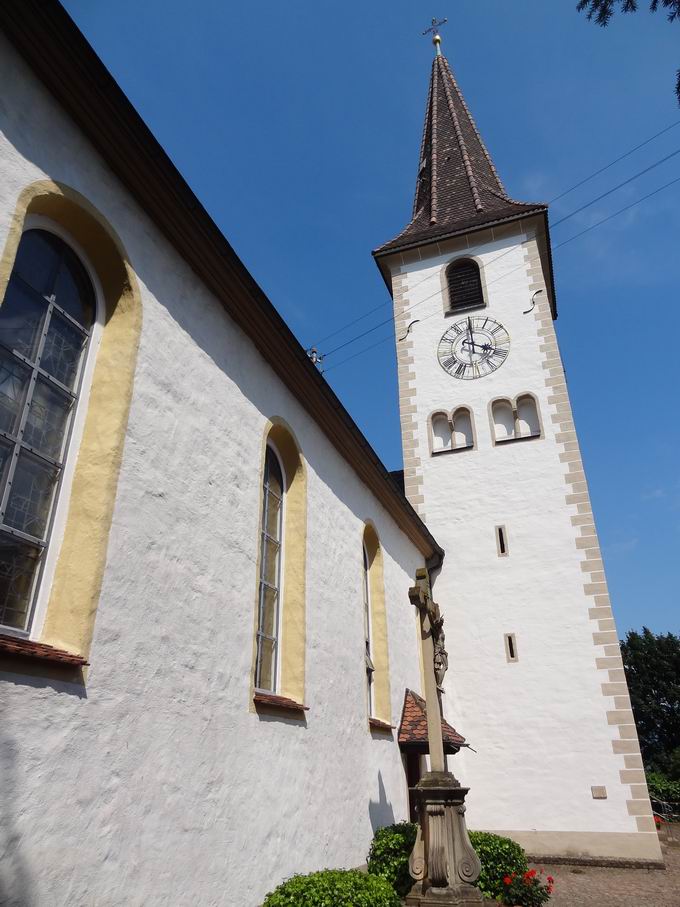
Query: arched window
[
  {"x": 45, "y": 322},
  {"x": 463, "y": 436},
  {"x": 270, "y": 573},
  {"x": 516, "y": 421},
  {"x": 441, "y": 433},
  {"x": 367, "y": 632},
  {"x": 464, "y": 284},
  {"x": 527, "y": 417},
  {"x": 279, "y": 645},
  {"x": 503, "y": 420}
]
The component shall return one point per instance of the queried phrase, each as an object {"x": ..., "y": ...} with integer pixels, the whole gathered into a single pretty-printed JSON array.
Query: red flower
[
  {"x": 531, "y": 873},
  {"x": 550, "y": 880},
  {"x": 507, "y": 880}
]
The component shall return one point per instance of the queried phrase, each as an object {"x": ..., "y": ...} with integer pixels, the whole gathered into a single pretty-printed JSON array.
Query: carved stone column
[{"x": 443, "y": 863}]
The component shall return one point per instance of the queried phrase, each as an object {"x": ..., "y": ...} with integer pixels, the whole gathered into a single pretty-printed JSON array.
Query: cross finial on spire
[{"x": 436, "y": 37}]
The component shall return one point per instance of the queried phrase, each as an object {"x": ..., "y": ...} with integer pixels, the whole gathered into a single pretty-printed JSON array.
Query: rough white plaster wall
[
  {"x": 158, "y": 785},
  {"x": 539, "y": 725}
]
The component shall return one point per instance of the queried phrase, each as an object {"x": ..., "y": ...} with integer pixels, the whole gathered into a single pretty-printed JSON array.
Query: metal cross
[{"x": 435, "y": 26}]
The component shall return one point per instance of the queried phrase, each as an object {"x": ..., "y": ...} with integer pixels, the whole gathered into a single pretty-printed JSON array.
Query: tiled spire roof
[{"x": 458, "y": 187}]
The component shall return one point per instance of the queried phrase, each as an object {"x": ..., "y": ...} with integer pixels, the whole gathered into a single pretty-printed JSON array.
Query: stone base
[
  {"x": 443, "y": 861},
  {"x": 444, "y": 897}
]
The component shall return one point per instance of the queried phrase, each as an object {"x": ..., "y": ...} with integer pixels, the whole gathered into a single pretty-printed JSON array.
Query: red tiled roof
[
  {"x": 413, "y": 726},
  {"x": 457, "y": 187},
  {"x": 26, "y": 648}
]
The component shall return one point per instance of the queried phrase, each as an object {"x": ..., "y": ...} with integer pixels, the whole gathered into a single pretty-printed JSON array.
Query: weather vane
[
  {"x": 434, "y": 31},
  {"x": 434, "y": 28}
]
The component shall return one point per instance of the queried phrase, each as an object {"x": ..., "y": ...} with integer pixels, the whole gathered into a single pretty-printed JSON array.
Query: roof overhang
[
  {"x": 60, "y": 56},
  {"x": 387, "y": 258}
]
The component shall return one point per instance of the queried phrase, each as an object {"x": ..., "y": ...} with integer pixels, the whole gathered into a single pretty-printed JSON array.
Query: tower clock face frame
[{"x": 473, "y": 347}]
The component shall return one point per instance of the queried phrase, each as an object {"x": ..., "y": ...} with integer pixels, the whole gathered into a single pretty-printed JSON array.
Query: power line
[
  {"x": 561, "y": 195},
  {"x": 611, "y": 163},
  {"x": 620, "y": 186},
  {"x": 616, "y": 213},
  {"x": 555, "y": 248},
  {"x": 380, "y": 324}
]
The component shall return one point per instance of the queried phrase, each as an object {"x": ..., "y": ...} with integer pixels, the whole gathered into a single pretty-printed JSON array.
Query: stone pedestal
[{"x": 443, "y": 863}]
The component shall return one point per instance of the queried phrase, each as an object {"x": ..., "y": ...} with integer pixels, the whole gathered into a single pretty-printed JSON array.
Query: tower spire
[{"x": 458, "y": 187}]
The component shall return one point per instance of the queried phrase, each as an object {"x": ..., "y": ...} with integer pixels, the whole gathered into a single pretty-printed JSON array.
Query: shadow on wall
[
  {"x": 15, "y": 880},
  {"x": 16, "y": 888},
  {"x": 380, "y": 811}
]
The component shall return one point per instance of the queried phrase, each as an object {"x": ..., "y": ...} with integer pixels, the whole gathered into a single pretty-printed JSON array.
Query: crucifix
[
  {"x": 435, "y": 661},
  {"x": 443, "y": 863}
]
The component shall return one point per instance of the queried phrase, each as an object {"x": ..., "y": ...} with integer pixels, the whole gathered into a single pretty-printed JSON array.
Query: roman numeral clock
[{"x": 473, "y": 347}]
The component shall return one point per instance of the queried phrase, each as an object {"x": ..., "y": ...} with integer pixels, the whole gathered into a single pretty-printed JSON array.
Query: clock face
[{"x": 473, "y": 347}]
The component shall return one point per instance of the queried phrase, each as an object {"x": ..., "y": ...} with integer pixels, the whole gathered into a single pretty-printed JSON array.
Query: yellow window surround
[
  {"x": 74, "y": 595},
  {"x": 382, "y": 709},
  {"x": 292, "y": 637}
]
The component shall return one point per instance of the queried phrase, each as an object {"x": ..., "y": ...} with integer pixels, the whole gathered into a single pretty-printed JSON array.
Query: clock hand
[{"x": 472, "y": 340}]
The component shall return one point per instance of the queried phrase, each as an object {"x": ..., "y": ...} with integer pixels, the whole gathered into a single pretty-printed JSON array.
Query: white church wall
[
  {"x": 157, "y": 784},
  {"x": 541, "y": 726}
]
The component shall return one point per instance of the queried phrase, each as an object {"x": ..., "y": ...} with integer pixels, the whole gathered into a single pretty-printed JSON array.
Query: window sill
[
  {"x": 25, "y": 648},
  {"x": 520, "y": 438},
  {"x": 376, "y": 724},
  {"x": 280, "y": 703},
  {"x": 452, "y": 450}
]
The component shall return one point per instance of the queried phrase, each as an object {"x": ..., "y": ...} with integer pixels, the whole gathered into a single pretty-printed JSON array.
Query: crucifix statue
[{"x": 443, "y": 864}]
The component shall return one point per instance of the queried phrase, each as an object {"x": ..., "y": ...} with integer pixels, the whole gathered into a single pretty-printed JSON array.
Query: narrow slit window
[
  {"x": 511, "y": 647},
  {"x": 502, "y": 541}
]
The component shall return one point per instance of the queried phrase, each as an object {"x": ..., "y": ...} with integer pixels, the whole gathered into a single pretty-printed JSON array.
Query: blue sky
[{"x": 297, "y": 124}]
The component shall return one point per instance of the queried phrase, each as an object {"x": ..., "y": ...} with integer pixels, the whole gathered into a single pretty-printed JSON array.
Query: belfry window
[
  {"x": 46, "y": 319},
  {"x": 367, "y": 632},
  {"x": 464, "y": 284},
  {"x": 270, "y": 573},
  {"x": 515, "y": 421}
]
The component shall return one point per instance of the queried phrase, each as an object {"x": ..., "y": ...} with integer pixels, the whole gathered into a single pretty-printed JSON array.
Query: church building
[{"x": 210, "y": 668}]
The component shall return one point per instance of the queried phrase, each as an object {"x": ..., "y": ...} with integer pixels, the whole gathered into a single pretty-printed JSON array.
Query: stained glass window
[
  {"x": 46, "y": 318},
  {"x": 270, "y": 574}
]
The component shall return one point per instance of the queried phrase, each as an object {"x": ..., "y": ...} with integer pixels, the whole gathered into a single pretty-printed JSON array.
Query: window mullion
[{"x": 11, "y": 470}]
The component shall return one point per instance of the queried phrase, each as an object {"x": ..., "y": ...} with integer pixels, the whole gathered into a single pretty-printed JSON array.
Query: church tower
[{"x": 492, "y": 464}]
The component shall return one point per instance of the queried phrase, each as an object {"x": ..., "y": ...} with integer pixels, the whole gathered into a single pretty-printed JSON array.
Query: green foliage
[
  {"x": 602, "y": 11},
  {"x": 527, "y": 889},
  {"x": 500, "y": 858},
  {"x": 389, "y": 853},
  {"x": 652, "y": 664},
  {"x": 662, "y": 788},
  {"x": 333, "y": 888}
]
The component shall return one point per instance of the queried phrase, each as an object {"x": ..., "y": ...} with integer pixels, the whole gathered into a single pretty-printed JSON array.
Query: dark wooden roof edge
[
  {"x": 80, "y": 82},
  {"x": 381, "y": 254}
]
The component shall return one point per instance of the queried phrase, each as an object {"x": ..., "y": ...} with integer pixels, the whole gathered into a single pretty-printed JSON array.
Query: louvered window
[
  {"x": 46, "y": 319},
  {"x": 465, "y": 285}
]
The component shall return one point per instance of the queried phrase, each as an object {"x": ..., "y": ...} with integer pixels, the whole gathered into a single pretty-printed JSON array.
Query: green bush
[
  {"x": 389, "y": 853},
  {"x": 500, "y": 858},
  {"x": 333, "y": 888},
  {"x": 661, "y": 788}
]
